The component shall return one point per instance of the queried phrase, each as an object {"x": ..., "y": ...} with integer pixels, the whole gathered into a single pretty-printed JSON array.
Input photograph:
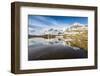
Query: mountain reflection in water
[
  {"x": 45, "y": 49},
  {"x": 43, "y": 41}
]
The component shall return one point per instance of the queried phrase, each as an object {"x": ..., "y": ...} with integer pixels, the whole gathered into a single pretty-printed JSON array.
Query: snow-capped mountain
[
  {"x": 77, "y": 26},
  {"x": 54, "y": 31}
]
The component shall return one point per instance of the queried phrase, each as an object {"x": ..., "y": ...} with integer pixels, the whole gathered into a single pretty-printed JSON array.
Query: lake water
[
  {"x": 43, "y": 49},
  {"x": 42, "y": 41}
]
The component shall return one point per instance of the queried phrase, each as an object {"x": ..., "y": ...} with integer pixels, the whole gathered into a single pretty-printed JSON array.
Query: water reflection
[
  {"x": 43, "y": 41},
  {"x": 54, "y": 48}
]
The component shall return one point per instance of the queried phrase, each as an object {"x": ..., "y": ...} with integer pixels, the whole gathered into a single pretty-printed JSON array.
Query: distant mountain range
[{"x": 54, "y": 31}]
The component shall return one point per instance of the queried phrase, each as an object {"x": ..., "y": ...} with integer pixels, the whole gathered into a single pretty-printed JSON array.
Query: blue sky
[{"x": 40, "y": 23}]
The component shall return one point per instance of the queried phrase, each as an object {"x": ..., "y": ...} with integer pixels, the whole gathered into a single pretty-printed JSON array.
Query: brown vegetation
[{"x": 80, "y": 40}]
